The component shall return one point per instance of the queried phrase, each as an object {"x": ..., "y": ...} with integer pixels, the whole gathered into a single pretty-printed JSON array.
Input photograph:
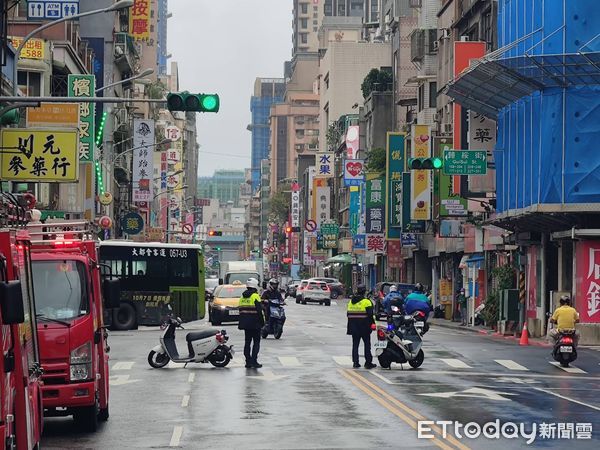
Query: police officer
[
  {"x": 360, "y": 324},
  {"x": 251, "y": 321}
]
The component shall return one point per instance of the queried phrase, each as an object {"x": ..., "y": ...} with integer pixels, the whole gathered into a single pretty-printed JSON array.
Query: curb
[{"x": 491, "y": 334}]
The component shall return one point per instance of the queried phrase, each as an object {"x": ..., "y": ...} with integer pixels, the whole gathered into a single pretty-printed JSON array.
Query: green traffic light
[
  {"x": 210, "y": 102},
  {"x": 437, "y": 163}
]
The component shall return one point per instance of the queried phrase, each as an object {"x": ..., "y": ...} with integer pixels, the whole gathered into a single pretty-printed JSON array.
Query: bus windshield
[
  {"x": 241, "y": 277},
  {"x": 60, "y": 289}
]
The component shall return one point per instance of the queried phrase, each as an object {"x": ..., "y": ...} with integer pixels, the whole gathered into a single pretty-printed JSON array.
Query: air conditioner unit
[
  {"x": 445, "y": 33},
  {"x": 464, "y": 38},
  {"x": 448, "y": 128}
]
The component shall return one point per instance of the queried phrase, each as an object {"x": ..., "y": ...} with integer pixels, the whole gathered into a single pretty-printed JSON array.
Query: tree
[
  {"x": 280, "y": 204},
  {"x": 333, "y": 136},
  {"x": 376, "y": 160},
  {"x": 376, "y": 81}
]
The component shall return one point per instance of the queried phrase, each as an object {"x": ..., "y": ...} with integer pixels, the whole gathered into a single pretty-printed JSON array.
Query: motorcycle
[
  {"x": 564, "y": 350},
  {"x": 203, "y": 346},
  {"x": 400, "y": 341},
  {"x": 478, "y": 315},
  {"x": 276, "y": 320}
]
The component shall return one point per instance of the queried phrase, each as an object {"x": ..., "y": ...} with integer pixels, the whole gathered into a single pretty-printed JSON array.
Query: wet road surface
[{"x": 307, "y": 396}]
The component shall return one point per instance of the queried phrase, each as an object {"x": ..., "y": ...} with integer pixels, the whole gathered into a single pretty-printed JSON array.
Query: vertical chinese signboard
[
  {"x": 324, "y": 164},
  {"x": 588, "y": 281},
  {"x": 84, "y": 86},
  {"x": 408, "y": 225},
  {"x": 330, "y": 232},
  {"x": 321, "y": 200},
  {"x": 139, "y": 19},
  {"x": 420, "y": 189},
  {"x": 375, "y": 217},
  {"x": 394, "y": 168},
  {"x": 354, "y": 209},
  {"x": 450, "y": 204},
  {"x": 482, "y": 136},
  {"x": 295, "y": 237},
  {"x": 143, "y": 161}
]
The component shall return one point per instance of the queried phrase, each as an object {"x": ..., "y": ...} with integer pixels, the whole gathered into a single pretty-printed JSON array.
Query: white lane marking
[
  {"x": 123, "y": 365},
  {"x": 456, "y": 363},
  {"x": 267, "y": 375},
  {"x": 119, "y": 380},
  {"x": 343, "y": 360},
  {"x": 174, "y": 365},
  {"x": 475, "y": 392},
  {"x": 381, "y": 377},
  {"x": 564, "y": 397},
  {"x": 570, "y": 369},
  {"x": 334, "y": 303},
  {"x": 498, "y": 375},
  {"x": 185, "y": 401},
  {"x": 289, "y": 361},
  {"x": 176, "y": 436},
  {"x": 191, "y": 377},
  {"x": 510, "y": 364}
]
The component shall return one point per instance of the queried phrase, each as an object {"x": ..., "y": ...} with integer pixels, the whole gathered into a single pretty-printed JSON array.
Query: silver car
[{"x": 316, "y": 291}]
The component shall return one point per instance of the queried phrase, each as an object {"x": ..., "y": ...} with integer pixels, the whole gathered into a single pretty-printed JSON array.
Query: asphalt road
[{"x": 307, "y": 396}]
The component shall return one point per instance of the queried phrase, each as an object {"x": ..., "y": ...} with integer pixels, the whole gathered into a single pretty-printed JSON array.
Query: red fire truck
[
  {"x": 20, "y": 391},
  {"x": 70, "y": 299}
]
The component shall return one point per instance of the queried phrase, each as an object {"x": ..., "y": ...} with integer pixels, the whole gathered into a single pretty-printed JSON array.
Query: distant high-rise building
[
  {"x": 162, "y": 56},
  {"x": 305, "y": 24},
  {"x": 345, "y": 8},
  {"x": 223, "y": 185},
  {"x": 267, "y": 91}
]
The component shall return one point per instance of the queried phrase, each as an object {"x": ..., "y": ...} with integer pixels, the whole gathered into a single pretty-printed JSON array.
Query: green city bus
[{"x": 152, "y": 276}]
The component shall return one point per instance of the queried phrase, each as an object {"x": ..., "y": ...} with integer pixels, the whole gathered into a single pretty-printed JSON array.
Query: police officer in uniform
[
  {"x": 251, "y": 321},
  {"x": 360, "y": 324}
]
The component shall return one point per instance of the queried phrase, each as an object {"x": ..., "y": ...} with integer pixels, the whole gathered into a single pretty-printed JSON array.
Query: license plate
[
  {"x": 380, "y": 344},
  {"x": 419, "y": 324},
  {"x": 234, "y": 312},
  {"x": 566, "y": 349}
]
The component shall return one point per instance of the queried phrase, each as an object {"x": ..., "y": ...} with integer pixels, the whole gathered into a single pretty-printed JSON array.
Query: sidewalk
[{"x": 443, "y": 323}]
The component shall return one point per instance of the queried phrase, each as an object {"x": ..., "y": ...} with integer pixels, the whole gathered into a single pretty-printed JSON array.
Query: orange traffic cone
[{"x": 524, "y": 336}]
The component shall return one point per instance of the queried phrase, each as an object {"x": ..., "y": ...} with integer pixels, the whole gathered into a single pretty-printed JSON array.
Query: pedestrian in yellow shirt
[{"x": 565, "y": 317}]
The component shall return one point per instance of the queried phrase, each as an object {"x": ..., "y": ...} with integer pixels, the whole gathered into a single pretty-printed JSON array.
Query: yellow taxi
[{"x": 223, "y": 307}]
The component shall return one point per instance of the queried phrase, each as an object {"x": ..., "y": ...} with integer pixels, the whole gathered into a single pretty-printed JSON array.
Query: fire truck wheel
[
  {"x": 86, "y": 417},
  {"x": 124, "y": 318}
]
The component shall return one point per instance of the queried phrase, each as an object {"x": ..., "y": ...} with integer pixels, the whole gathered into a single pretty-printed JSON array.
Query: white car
[{"x": 316, "y": 291}]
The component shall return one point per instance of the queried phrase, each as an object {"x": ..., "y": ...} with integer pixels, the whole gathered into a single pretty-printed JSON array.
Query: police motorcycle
[
  {"x": 276, "y": 315},
  {"x": 400, "y": 340},
  {"x": 203, "y": 346}
]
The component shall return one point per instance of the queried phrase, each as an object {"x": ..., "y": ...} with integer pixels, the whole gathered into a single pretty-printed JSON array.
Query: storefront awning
[{"x": 344, "y": 258}]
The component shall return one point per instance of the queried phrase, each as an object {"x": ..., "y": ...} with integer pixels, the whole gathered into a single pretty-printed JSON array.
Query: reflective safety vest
[
  {"x": 359, "y": 310},
  {"x": 247, "y": 304}
]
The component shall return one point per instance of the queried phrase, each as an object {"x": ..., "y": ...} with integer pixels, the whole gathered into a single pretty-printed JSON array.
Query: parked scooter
[
  {"x": 478, "y": 315},
  {"x": 400, "y": 341},
  {"x": 203, "y": 346},
  {"x": 276, "y": 320},
  {"x": 564, "y": 350}
]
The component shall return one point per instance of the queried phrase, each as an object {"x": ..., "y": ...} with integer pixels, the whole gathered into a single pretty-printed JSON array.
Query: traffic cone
[{"x": 524, "y": 336}]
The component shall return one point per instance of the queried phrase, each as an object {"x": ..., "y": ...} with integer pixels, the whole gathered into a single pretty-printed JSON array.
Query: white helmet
[
  {"x": 252, "y": 283},
  {"x": 393, "y": 288}
]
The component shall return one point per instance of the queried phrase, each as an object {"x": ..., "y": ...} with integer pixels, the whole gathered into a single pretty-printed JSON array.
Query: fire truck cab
[
  {"x": 71, "y": 295},
  {"x": 20, "y": 373}
]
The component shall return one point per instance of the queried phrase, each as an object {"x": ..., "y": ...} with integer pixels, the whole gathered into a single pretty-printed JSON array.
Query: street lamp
[
  {"x": 115, "y": 7},
  {"x": 142, "y": 74}
]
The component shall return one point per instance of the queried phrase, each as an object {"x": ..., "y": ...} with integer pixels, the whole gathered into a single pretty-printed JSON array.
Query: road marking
[
  {"x": 334, "y": 303},
  {"x": 289, "y": 361},
  {"x": 495, "y": 375},
  {"x": 570, "y": 369},
  {"x": 456, "y": 363},
  {"x": 343, "y": 360},
  {"x": 267, "y": 375},
  {"x": 384, "y": 399},
  {"x": 175, "y": 365},
  {"x": 567, "y": 398},
  {"x": 510, "y": 364},
  {"x": 185, "y": 401},
  {"x": 119, "y": 380},
  {"x": 191, "y": 377},
  {"x": 471, "y": 392},
  {"x": 514, "y": 380},
  {"x": 123, "y": 365},
  {"x": 176, "y": 436}
]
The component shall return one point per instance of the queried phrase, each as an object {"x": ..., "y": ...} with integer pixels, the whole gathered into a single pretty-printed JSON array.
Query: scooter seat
[{"x": 196, "y": 335}]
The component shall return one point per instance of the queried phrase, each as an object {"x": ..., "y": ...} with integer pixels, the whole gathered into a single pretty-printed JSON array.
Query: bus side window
[
  {"x": 139, "y": 268},
  {"x": 183, "y": 271}
]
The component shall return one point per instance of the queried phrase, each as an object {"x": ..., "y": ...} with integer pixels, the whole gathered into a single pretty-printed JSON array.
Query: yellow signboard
[
  {"x": 34, "y": 48},
  {"x": 139, "y": 19},
  {"x": 63, "y": 115},
  {"x": 47, "y": 155},
  {"x": 421, "y": 179}
]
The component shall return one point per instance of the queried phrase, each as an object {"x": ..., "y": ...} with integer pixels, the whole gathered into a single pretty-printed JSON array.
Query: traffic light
[
  {"x": 425, "y": 163},
  {"x": 215, "y": 233},
  {"x": 289, "y": 230},
  {"x": 184, "y": 101},
  {"x": 218, "y": 249},
  {"x": 11, "y": 117}
]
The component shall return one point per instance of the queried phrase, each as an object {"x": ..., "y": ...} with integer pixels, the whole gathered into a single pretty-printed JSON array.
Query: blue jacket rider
[
  {"x": 417, "y": 301},
  {"x": 392, "y": 298}
]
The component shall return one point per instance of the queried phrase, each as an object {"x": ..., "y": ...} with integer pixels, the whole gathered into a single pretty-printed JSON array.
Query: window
[
  {"x": 303, "y": 38},
  {"x": 304, "y": 8},
  {"x": 421, "y": 97},
  {"x": 299, "y": 134},
  {"x": 432, "y": 95},
  {"x": 304, "y": 24},
  {"x": 30, "y": 83}
]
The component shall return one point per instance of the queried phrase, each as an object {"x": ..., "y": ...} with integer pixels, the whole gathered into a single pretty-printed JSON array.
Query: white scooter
[
  {"x": 400, "y": 341},
  {"x": 203, "y": 346}
]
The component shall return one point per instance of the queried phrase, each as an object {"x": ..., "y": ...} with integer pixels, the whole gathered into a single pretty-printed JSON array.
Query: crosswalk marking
[
  {"x": 456, "y": 363},
  {"x": 343, "y": 360},
  {"x": 570, "y": 369},
  {"x": 123, "y": 365},
  {"x": 510, "y": 364},
  {"x": 289, "y": 361}
]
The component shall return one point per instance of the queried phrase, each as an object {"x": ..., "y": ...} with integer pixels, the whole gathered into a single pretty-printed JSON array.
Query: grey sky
[{"x": 221, "y": 47}]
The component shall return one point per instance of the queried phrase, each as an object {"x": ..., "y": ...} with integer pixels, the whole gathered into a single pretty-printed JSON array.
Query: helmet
[
  {"x": 252, "y": 283},
  {"x": 393, "y": 288},
  {"x": 419, "y": 287},
  {"x": 565, "y": 300},
  {"x": 361, "y": 289},
  {"x": 273, "y": 284}
]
